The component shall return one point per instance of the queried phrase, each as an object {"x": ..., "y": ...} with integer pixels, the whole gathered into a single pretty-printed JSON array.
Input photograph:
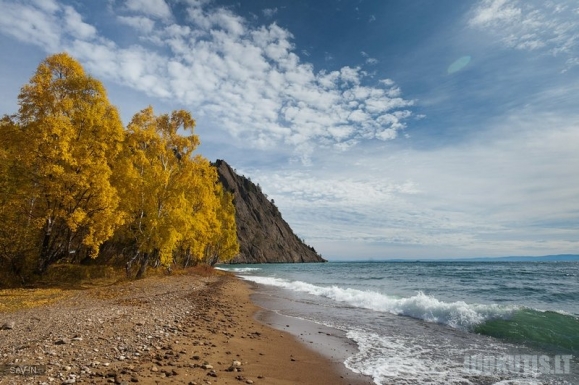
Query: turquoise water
[{"x": 418, "y": 322}]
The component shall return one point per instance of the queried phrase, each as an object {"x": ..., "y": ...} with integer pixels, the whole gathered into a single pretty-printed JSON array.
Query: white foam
[
  {"x": 240, "y": 269},
  {"x": 396, "y": 360},
  {"x": 520, "y": 381},
  {"x": 457, "y": 314}
]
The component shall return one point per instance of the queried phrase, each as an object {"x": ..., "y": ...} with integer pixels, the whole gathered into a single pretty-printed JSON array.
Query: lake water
[{"x": 506, "y": 323}]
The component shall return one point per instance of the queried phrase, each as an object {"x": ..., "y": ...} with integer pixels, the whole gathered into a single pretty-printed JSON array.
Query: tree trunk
[
  {"x": 143, "y": 267},
  {"x": 44, "y": 257},
  {"x": 130, "y": 264}
]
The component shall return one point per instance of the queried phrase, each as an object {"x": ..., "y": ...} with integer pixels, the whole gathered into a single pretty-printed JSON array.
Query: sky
[{"x": 381, "y": 129}]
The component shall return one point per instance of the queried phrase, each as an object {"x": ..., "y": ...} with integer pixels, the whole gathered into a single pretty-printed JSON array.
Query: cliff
[{"x": 264, "y": 237}]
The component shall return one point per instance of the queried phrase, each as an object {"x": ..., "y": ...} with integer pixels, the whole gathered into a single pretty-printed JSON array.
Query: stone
[
  {"x": 61, "y": 341},
  {"x": 9, "y": 325}
]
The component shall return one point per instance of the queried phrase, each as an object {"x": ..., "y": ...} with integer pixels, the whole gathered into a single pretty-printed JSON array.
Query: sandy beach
[{"x": 184, "y": 329}]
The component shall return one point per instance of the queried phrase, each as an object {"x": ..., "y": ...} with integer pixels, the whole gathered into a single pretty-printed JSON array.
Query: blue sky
[{"x": 382, "y": 129}]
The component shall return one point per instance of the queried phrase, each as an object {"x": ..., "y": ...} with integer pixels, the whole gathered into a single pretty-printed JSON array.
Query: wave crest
[{"x": 457, "y": 314}]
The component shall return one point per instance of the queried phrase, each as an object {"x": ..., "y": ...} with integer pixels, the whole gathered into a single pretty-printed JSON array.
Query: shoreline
[{"x": 183, "y": 329}]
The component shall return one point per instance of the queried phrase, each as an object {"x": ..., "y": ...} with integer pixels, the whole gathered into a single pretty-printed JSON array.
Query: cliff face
[{"x": 264, "y": 237}]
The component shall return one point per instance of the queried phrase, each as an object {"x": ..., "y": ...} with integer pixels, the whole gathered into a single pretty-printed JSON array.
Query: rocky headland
[{"x": 264, "y": 236}]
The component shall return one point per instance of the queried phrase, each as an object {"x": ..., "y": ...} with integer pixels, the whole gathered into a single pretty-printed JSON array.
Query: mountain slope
[{"x": 264, "y": 237}]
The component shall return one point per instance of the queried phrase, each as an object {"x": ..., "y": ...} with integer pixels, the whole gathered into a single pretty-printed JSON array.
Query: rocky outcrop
[{"x": 264, "y": 237}]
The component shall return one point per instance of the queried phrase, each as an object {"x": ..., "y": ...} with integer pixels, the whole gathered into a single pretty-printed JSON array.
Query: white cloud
[
  {"x": 511, "y": 190},
  {"x": 32, "y": 23},
  {"x": 540, "y": 26},
  {"x": 140, "y": 23},
  {"x": 269, "y": 12},
  {"x": 50, "y": 6},
  {"x": 248, "y": 80},
  {"x": 491, "y": 12},
  {"x": 369, "y": 60},
  {"x": 155, "y": 8},
  {"x": 75, "y": 26}
]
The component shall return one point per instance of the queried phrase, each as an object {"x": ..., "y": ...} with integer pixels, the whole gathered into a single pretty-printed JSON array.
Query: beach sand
[{"x": 183, "y": 329}]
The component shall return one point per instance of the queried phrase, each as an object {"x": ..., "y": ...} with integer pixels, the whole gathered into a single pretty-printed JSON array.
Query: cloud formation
[
  {"x": 542, "y": 26},
  {"x": 511, "y": 191},
  {"x": 247, "y": 79}
]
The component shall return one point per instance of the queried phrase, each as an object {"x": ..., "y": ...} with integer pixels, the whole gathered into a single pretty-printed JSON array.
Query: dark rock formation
[{"x": 264, "y": 237}]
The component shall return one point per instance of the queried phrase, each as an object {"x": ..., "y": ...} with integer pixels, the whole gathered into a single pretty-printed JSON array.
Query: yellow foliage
[
  {"x": 176, "y": 205},
  {"x": 64, "y": 138},
  {"x": 18, "y": 299},
  {"x": 71, "y": 178}
]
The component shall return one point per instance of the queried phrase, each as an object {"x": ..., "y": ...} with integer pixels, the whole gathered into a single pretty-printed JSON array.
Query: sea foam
[
  {"x": 399, "y": 360},
  {"x": 457, "y": 314},
  {"x": 239, "y": 269}
]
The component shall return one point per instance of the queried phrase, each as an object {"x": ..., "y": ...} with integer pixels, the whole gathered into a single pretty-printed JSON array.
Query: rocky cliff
[{"x": 264, "y": 237}]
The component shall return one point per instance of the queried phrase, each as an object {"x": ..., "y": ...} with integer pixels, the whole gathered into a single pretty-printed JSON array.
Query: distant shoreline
[{"x": 545, "y": 258}]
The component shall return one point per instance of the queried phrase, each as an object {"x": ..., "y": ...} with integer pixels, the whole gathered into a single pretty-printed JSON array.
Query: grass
[
  {"x": 62, "y": 280},
  {"x": 16, "y": 299}
]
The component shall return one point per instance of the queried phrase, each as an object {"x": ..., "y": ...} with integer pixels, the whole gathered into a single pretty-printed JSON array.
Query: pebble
[{"x": 7, "y": 325}]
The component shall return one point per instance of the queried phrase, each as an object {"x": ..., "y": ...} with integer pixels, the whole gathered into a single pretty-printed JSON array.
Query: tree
[
  {"x": 212, "y": 235},
  {"x": 224, "y": 245},
  {"x": 72, "y": 179},
  {"x": 18, "y": 232},
  {"x": 158, "y": 159},
  {"x": 177, "y": 208},
  {"x": 64, "y": 139}
]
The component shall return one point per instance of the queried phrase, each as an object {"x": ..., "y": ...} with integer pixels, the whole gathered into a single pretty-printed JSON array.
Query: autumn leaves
[{"x": 72, "y": 181}]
